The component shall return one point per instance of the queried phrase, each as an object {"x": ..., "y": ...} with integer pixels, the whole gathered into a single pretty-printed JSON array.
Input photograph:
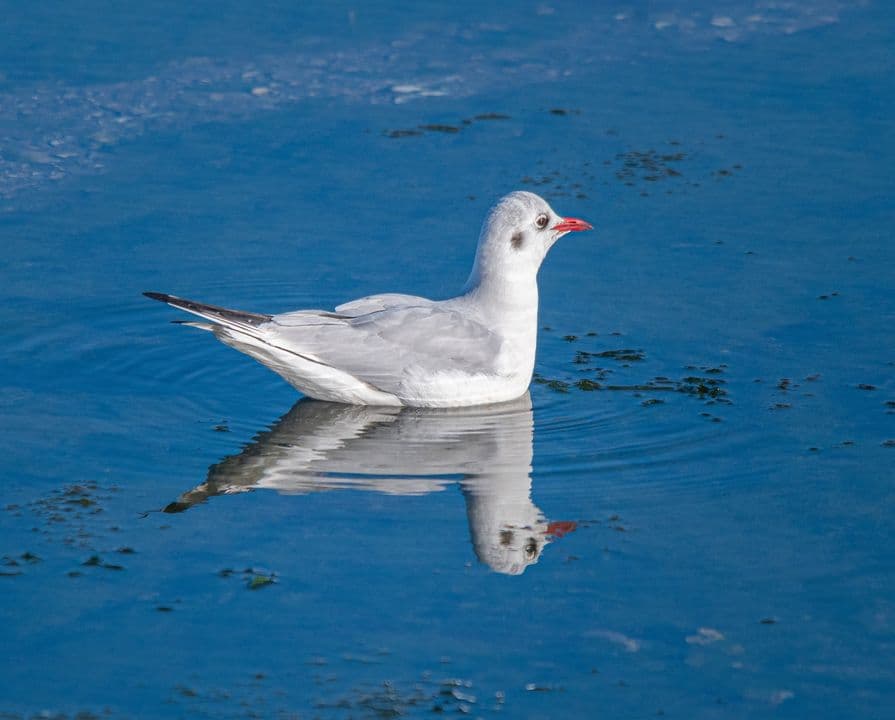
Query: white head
[{"x": 516, "y": 236}]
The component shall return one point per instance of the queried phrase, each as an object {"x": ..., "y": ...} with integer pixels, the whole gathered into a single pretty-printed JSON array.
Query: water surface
[{"x": 688, "y": 516}]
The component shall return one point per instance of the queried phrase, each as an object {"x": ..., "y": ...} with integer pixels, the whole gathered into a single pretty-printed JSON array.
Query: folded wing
[{"x": 392, "y": 347}]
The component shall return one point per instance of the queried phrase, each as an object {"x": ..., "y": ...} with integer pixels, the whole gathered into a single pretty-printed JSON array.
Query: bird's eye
[{"x": 541, "y": 221}]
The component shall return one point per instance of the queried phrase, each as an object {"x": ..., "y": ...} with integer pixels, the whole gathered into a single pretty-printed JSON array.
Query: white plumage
[{"x": 392, "y": 349}]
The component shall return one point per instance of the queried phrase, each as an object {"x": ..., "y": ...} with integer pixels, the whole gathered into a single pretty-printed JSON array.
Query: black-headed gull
[{"x": 391, "y": 349}]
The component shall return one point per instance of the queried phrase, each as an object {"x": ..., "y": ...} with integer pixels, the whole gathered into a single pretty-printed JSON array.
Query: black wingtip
[
  {"x": 210, "y": 312},
  {"x": 176, "y": 507}
]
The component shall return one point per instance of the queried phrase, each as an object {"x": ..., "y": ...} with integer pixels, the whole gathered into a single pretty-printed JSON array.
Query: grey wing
[
  {"x": 353, "y": 309},
  {"x": 372, "y": 303},
  {"x": 388, "y": 347}
]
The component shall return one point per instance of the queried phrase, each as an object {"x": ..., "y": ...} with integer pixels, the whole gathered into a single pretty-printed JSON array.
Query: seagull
[{"x": 401, "y": 350}]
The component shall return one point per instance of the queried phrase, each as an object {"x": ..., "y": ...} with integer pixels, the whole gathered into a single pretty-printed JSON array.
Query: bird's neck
[
  {"x": 503, "y": 294},
  {"x": 507, "y": 303}
]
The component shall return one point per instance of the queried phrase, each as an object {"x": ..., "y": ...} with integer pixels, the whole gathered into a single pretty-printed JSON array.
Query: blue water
[{"x": 689, "y": 516}]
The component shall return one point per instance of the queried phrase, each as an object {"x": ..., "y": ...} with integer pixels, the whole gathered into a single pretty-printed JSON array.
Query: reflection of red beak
[
  {"x": 561, "y": 527},
  {"x": 572, "y": 225}
]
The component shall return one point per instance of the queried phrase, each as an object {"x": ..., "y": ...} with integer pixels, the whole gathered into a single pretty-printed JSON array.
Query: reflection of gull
[{"x": 319, "y": 446}]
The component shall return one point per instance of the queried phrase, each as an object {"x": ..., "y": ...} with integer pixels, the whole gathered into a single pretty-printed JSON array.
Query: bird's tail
[{"x": 246, "y": 322}]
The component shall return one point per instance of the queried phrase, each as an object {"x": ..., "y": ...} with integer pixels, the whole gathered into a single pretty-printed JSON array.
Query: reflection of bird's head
[
  {"x": 512, "y": 549},
  {"x": 507, "y": 529},
  {"x": 515, "y": 550}
]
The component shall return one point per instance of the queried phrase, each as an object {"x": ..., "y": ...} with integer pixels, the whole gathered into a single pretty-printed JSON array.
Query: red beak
[
  {"x": 572, "y": 225},
  {"x": 559, "y": 528}
]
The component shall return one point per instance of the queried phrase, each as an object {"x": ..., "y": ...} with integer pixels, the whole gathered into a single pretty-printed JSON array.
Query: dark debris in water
[
  {"x": 254, "y": 579},
  {"x": 449, "y": 697},
  {"x": 537, "y": 687},
  {"x": 256, "y": 582},
  {"x": 97, "y": 561},
  {"x": 703, "y": 382},
  {"x": 72, "y": 514},
  {"x": 11, "y": 566},
  {"x": 708, "y": 389},
  {"x": 647, "y": 166},
  {"x": 727, "y": 172},
  {"x": 427, "y": 695},
  {"x": 641, "y": 170},
  {"x": 402, "y": 133},
  {"x": 560, "y": 386},
  {"x": 442, "y": 127},
  {"x": 624, "y": 355},
  {"x": 634, "y": 168}
]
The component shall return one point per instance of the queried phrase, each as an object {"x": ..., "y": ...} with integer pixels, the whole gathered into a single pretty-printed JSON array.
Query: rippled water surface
[{"x": 690, "y": 514}]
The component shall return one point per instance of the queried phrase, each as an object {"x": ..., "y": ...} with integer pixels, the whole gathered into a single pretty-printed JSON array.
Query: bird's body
[{"x": 473, "y": 349}]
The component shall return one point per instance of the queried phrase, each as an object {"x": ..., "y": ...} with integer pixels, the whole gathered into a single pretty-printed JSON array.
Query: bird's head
[{"x": 517, "y": 234}]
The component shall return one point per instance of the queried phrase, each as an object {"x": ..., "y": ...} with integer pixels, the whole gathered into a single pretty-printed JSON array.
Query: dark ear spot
[{"x": 516, "y": 240}]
